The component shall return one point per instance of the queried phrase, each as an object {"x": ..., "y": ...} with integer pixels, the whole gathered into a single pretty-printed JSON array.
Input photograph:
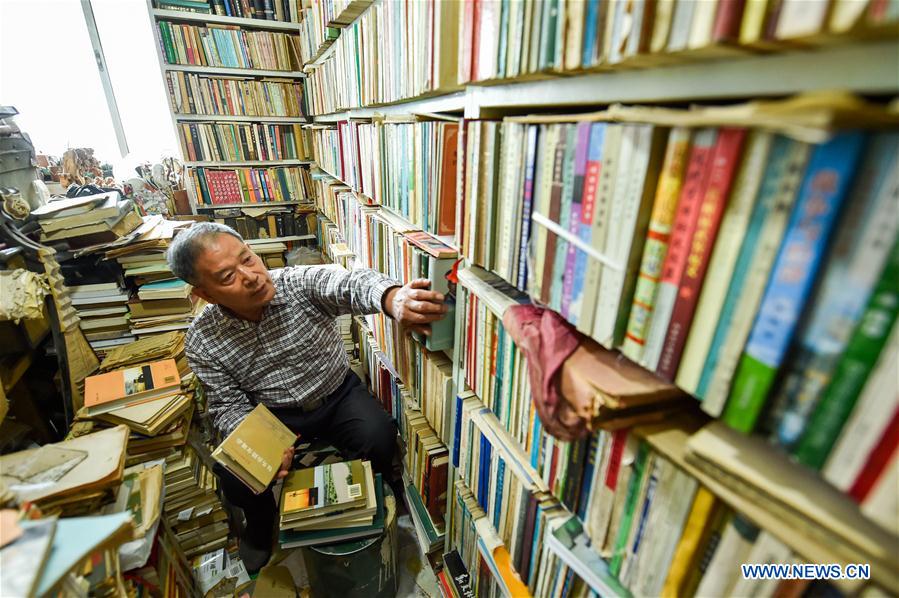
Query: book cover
[
  {"x": 824, "y": 189},
  {"x": 105, "y": 392},
  {"x": 692, "y": 192},
  {"x": 253, "y": 450},
  {"x": 728, "y": 150},
  {"x": 772, "y": 212},
  {"x": 858, "y": 359},
  {"x": 660, "y": 222},
  {"x": 317, "y": 491}
]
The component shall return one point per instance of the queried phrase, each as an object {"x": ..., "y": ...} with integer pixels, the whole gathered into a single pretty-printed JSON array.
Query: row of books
[
  {"x": 312, "y": 37},
  {"x": 265, "y": 222},
  {"x": 506, "y": 40},
  {"x": 407, "y": 167},
  {"x": 229, "y": 46},
  {"x": 190, "y": 93},
  {"x": 399, "y": 50},
  {"x": 672, "y": 193},
  {"x": 427, "y": 465},
  {"x": 233, "y": 142},
  {"x": 337, "y": 13},
  {"x": 270, "y": 10},
  {"x": 494, "y": 40},
  {"x": 221, "y": 186}
]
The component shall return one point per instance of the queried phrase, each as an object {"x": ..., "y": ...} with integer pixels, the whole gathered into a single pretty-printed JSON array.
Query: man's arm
[
  {"x": 337, "y": 291},
  {"x": 228, "y": 405}
]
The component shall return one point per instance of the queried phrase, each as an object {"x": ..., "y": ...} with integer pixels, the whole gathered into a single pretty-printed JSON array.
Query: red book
[
  {"x": 446, "y": 217},
  {"x": 726, "y": 157},
  {"x": 728, "y": 20},
  {"x": 877, "y": 462}
]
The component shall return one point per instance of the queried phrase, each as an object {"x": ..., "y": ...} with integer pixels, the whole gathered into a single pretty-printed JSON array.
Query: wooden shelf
[
  {"x": 260, "y": 204},
  {"x": 453, "y": 101},
  {"x": 232, "y": 72},
  {"x": 323, "y": 53},
  {"x": 239, "y": 119},
  {"x": 249, "y": 163},
  {"x": 200, "y": 18},
  {"x": 280, "y": 239},
  {"x": 349, "y": 14}
]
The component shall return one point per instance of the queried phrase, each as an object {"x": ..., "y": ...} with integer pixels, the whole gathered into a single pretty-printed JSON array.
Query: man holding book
[{"x": 270, "y": 338}]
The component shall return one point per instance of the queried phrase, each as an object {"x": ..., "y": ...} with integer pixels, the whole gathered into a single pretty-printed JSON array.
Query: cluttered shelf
[
  {"x": 431, "y": 103},
  {"x": 204, "y": 18},
  {"x": 233, "y": 72},
  {"x": 280, "y": 239},
  {"x": 261, "y": 204}
]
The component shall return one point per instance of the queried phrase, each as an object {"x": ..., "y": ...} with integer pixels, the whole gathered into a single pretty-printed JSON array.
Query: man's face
[{"x": 231, "y": 275}]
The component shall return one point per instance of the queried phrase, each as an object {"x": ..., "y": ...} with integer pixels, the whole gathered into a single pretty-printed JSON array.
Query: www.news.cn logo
[{"x": 804, "y": 571}]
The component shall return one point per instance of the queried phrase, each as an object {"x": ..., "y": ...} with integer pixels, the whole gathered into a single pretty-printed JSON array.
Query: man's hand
[
  {"x": 414, "y": 306},
  {"x": 286, "y": 462}
]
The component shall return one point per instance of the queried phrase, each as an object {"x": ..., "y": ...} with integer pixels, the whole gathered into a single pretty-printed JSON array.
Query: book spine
[
  {"x": 855, "y": 365},
  {"x": 546, "y": 264},
  {"x": 656, "y": 246},
  {"x": 820, "y": 199},
  {"x": 585, "y": 224},
  {"x": 751, "y": 274},
  {"x": 721, "y": 174},
  {"x": 877, "y": 461},
  {"x": 580, "y": 172},
  {"x": 682, "y": 230},
  {"x": 528, "y": 200},
  {"x": 729, "y": 244}
]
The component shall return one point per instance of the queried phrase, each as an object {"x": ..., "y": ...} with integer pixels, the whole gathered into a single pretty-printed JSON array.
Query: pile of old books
[
  {"x": 86, "y": 221},
  {"x": 335, "y": 502},
  {"x": 103, "y": 310}
]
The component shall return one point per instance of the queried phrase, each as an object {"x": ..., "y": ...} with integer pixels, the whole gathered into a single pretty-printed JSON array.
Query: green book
[
  {"x": 166, "y": 35},
  {"x": 633, "y": 495},
  {"x": 868, "y": 340}
]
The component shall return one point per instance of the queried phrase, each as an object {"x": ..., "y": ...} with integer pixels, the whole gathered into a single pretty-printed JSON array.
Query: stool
[{"x": 358, "y": 569}]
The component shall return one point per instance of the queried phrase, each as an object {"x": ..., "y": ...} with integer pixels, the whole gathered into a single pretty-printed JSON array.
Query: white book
[
  {"x": 766, "y": 550},
  {"x": 723, "y": 569},
  {"x": 882, "y": 503}
]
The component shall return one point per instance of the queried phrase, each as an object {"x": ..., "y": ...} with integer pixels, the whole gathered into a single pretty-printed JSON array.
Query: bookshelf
[
  {"x": 241, "y": 183},
  {"x": 796, "y": 57}
]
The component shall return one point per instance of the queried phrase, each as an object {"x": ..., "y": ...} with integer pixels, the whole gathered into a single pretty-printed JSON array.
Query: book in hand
[
  {"x": 340, "y": 530},
  {"x": 253, "y": 450},
  {"x": 315, "y": 492},
  {"x": 130, "y": 386}
]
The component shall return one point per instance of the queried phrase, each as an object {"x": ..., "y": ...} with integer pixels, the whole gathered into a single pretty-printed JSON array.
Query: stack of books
[
  {"x": 86, "y": 221},
  {"x": 104, "y": 315},
  {"x": 331, "y": 503}
]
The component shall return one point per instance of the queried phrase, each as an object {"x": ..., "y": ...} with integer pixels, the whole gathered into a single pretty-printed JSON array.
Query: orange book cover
[{"x": 105, "y": 392}]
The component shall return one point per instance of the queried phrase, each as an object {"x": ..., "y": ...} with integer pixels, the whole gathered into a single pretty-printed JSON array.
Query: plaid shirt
[{"x": 295, "y": 353}]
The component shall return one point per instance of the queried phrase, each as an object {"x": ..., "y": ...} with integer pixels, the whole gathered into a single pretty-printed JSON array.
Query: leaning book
[{"x": 253, "y": 451}]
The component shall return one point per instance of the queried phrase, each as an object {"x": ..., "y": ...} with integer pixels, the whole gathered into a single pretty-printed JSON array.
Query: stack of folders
[
  {"x": 253, "y": 450},
  {"x": 331, "y": 503}
]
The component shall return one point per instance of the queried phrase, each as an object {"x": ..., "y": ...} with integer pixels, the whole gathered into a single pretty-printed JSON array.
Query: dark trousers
[{"x": 351, "y": 420}]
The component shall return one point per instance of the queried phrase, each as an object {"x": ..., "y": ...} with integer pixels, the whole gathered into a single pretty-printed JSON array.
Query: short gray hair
[{"x": 187, "y": 245}]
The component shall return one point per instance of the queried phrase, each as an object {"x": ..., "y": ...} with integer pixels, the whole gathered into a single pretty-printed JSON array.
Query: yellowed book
[
  {"x": 692, "y": 540},
  {"x": 574, "y": 34},
  {"x": 753, "y": 24},
  {"x": 253, "y": 451},
  {"x": 661, "y": 25}
]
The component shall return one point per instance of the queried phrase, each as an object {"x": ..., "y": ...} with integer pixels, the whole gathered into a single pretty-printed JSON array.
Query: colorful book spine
[
  {"x": 728, "y": 246},
  {"x": 660, "y": 222},
  {"x": 723, "y": 168},
  {"x": 580, "y": 174},
  {"x": 867, "y": 342},
  {"x": 830, "y": 171},
  {"x": 585, "y": 226},
  {"x": 685, "y": 221},
  {"x": 860, "y": 249},
  {"x": 763, "y": 240}
]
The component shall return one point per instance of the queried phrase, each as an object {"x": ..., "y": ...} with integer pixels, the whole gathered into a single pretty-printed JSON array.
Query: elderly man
[{"x": 270, "y": 338}]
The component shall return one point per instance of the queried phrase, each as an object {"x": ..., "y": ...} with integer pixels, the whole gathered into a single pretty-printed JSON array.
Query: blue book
[
  {"x": 860, "y": 250},
  {"x": 585, "y": 226},
  {"x": 457, "y": 432},
  {"x": 589, "y": 32},
  {"x": 498, "y": 399},
  {"x": 497, "y": 503},
  {"x": 484, "y": 472},
  {"x": 528, "y": 199},
  {"x": 830, "y": 171},
  {"x": 587, "y": 480}
]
